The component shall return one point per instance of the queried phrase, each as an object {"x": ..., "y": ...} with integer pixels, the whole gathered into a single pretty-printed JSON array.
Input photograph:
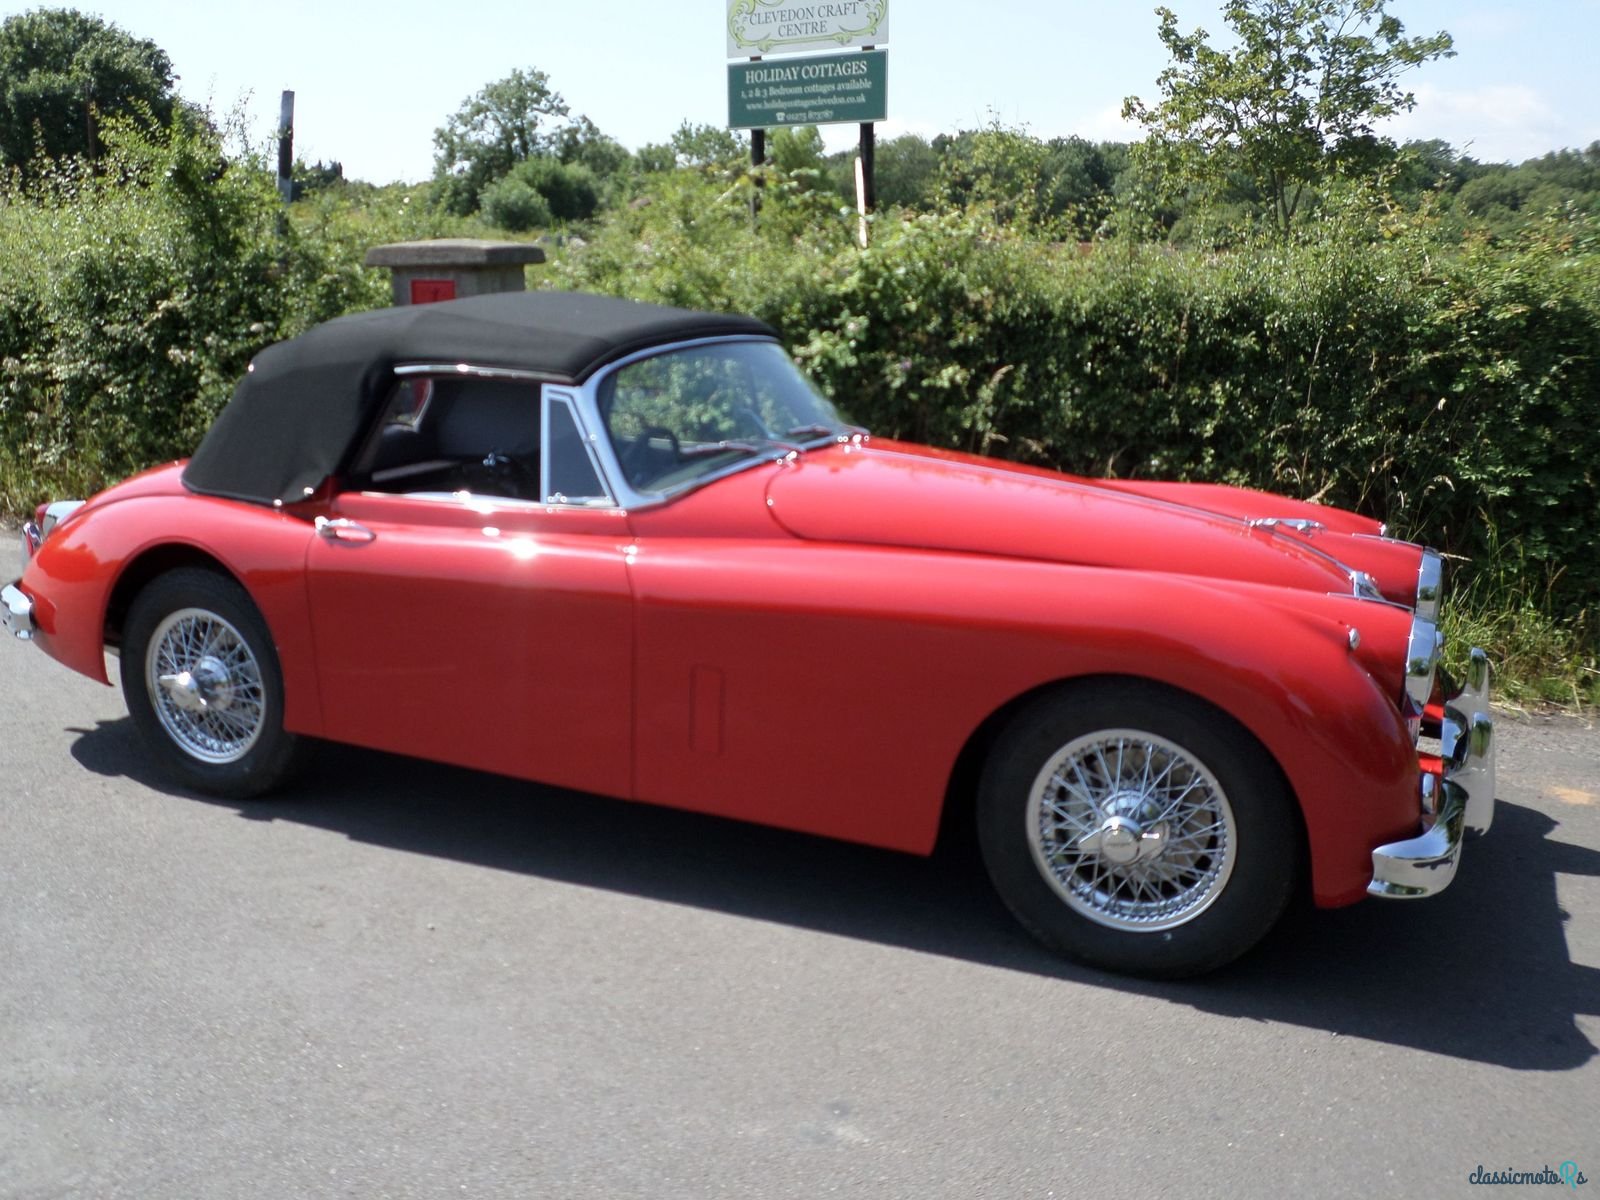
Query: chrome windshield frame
[{"x": 588, "y": 397}]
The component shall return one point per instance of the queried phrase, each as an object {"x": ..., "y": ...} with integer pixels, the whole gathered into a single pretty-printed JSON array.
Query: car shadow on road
[{"x": 1481, "y": 972}]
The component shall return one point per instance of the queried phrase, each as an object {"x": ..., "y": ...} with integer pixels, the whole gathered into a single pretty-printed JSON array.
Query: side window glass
[
  {"x": 438, "y": 435},
  {"x": 409, "y": 403},
  {"x": 573, "y": 477}
]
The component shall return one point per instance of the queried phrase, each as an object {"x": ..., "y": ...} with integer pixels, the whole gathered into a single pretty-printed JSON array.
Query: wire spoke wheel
[
  {"x": 205, "y": 685},
  {"x": 1131, "y": 830},
  {"x": 1138, "y": 828}
]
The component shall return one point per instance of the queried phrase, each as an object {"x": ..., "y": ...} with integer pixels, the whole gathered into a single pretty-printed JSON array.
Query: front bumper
[
  {"x": 1457, "y": 792},
  {"x": 16, "y": 612}
]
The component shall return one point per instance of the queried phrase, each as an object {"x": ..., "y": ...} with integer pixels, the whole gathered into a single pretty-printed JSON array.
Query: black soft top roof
[{"x": 295, "y": 413}]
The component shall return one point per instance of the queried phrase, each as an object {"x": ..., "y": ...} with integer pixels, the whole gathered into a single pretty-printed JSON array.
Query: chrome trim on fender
[
  {"x": 1364, "y": 586},
  {"x": 16, "y": 612},
  {"x": 1298, "y": 524}
]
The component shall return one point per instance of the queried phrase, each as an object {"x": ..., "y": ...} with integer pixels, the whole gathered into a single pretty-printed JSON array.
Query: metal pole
[
  {"x": 286, "y": 148},
  {"x": 758, "y": 156},
  {"x": 869, "y": 189},
  {"x": 88, "y": 119}
]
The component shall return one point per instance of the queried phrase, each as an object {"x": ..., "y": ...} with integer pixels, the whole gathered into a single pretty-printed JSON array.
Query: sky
[{"x": 372, "y": 81}]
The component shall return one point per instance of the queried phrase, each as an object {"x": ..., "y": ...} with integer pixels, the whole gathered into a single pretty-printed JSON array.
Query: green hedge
[{"x": 134, "y": 293}]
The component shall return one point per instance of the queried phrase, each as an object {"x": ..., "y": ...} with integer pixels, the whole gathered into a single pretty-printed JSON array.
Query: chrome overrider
[
  {"x": 16, "y": 612},
  {"x": 16, "y": 608},
  {"x": 1459, "y": 799}
]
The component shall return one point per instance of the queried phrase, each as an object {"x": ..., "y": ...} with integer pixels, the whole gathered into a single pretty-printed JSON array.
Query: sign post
[
  {"x": 286, "y": 147},
  {"x": 801, "y": 87}
]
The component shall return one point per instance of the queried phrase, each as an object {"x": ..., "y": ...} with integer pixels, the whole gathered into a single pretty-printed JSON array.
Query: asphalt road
[{"x": 411, "y": 981}]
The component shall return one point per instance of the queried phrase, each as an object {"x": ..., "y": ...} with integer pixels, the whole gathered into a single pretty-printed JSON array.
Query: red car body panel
[
  {"x": 807, "y": 644},
  {"x": 497, "y": 636}
]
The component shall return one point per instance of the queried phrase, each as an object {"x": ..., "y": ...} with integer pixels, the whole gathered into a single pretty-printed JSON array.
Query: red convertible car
[{"x": 629, "y": 550}]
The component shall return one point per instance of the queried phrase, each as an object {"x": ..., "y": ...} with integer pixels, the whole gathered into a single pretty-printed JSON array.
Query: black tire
[
  {"x": 1164, "y": 842},
  {"x": 219, "y": 727}
]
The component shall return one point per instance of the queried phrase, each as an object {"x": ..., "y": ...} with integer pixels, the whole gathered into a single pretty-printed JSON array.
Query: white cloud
[
  {"x": 1106, "y": 125},
  {"x": 1497, "y": 123}
]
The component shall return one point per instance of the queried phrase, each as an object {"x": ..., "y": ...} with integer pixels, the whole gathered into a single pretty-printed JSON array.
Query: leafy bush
[
  {"x": 135, "y": 294},
  {"x": 514, "y": 204},
  {"x": 569, "y": 189}
]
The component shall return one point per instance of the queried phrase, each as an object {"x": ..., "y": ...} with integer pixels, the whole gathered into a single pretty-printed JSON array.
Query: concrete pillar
[{"x": 454, "y": 268}]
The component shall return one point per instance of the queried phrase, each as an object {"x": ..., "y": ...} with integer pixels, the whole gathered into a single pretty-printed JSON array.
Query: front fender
[{"x": 1280, "y": 666}]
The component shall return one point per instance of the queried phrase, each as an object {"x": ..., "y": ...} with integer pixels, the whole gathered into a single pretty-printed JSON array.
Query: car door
[{"x": 473, "y": 610}]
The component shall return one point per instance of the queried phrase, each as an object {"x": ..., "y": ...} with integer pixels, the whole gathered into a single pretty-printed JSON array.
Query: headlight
[
  {"x": 1422, "y": 663},
  {"x": 52, "y": 514},
  {"x": 1430, "y": 585},
  {"x": 32, "y": 539}
]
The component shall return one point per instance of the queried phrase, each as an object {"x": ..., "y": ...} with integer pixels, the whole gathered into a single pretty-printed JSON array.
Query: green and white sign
[
  {"x": 823, "y": 89},
  {"x": 763, "y": 27}
]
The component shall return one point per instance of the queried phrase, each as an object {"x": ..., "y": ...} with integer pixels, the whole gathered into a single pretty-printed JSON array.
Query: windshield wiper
[
  {"x": 820, "y": 430},
  {"x": 747, "y": 446}
]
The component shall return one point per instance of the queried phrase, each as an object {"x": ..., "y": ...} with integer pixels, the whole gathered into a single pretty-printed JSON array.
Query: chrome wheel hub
[
  {"x": 1131, "y": 830},
  {"x": 205, "y": 685},
  {"x": 1124, "y": 841}
]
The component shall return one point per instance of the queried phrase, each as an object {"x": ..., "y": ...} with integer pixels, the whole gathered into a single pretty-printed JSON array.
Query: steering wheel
[
  {"x": 751, "y": 418},
  {"x": 640, "y": 461}
]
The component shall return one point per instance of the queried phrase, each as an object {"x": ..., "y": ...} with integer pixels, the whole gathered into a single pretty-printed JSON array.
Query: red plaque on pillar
[{"x": 428, "y": 291}]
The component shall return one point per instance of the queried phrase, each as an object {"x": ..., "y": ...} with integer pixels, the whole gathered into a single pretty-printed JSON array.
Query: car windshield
[{"x": 680, "y": 417}]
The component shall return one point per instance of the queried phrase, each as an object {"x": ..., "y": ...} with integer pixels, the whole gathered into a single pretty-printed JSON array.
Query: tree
[
  {"x": 508, "y": 122},
  {"x": 796, "y": 149},
  {"x": 1294, "y": 102},
  {"x": 581, "y": 142},
  {"x": 1079, "y": 180},
  {"x": 907, "y": 169},
  {"x": 707, "y": 146},
  {"x": 997, "y": 166},
  {"x": 62, "y": 72},
  {"x": 655, "y": 157}
]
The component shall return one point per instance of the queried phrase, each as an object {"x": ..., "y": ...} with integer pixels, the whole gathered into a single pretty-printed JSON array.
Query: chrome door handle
[{"x": 342, "y": 529}]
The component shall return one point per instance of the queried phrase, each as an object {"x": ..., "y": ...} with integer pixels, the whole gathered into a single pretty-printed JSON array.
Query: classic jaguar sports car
[{"x": 629, "y": 550}]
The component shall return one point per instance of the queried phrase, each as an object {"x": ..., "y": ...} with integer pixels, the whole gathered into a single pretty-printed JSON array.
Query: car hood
[{"x": 892, "y": 494}]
